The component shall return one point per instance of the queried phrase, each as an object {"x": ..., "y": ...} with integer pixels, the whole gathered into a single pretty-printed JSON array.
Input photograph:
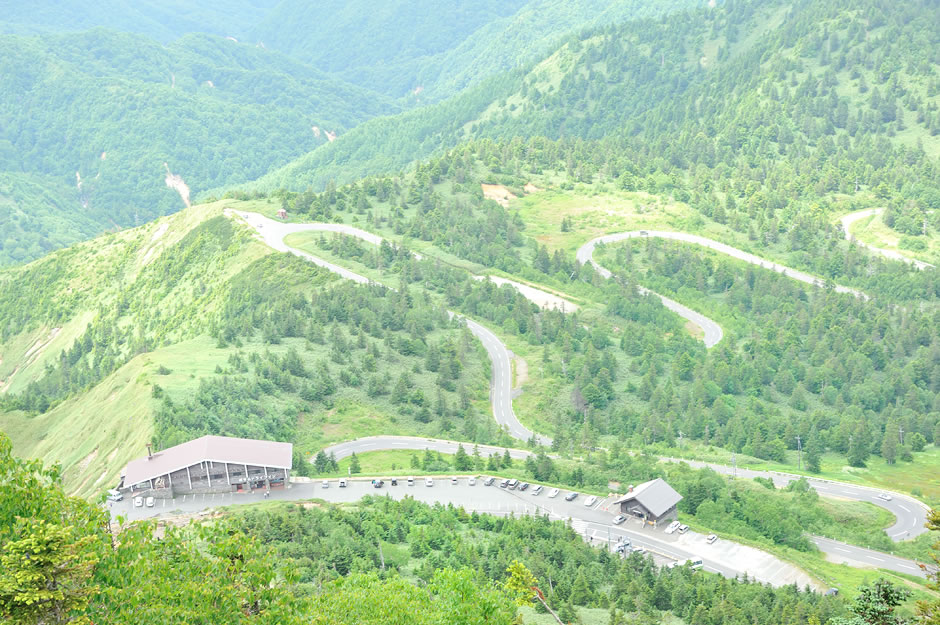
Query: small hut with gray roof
[{"x": 654, "y": 501}]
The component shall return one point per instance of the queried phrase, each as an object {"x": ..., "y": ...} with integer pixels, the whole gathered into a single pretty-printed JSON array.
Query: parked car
[
  {"x": 623, "y": 545},
  {"x": 472, "y": 481},
  {"x": 832, "y": 592},
  {"x": 673, "y": 527},
  {"x": 394, "y": 481},
  {"x": 711, "y": 538},
  {"x": 150, "y": 502},
  {"x": 115, "y": 495},
  {"x": 453, "y": 480},
  {"x": 428, "y": 481},
  {"x": 590, "y": 501},
  {"x": 512, "y": 484},
  {"x": 683, "y": 529},
  {"x": 571, "y": 496},
  {"x": 523, "y": 486},
  {"x": 342, "y": 483},
  {"x": 503, "y": 483},
  {"x": 489, "y": 481},
  {"x": 553, "y": 493},
  {"x": 378, "y": 483},
  {"x": 138, "y": 502},
  {"x": 411, "y": 481},
  {"x": 620, "y": 518},
  {"x": 884, "y": 496},
  {"x": 325, "y": 483},
  {"x": 638, "y": 549},
  {"x": 537, "y": 490}
]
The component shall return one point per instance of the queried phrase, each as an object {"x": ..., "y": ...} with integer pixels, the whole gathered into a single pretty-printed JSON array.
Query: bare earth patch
[
  {"x": 530, "y": 188},
  {"x": 498, "y": 193},
  {"x": 175, "y": 182},
  {"x": 695, "y": 330},
  {"x": 87, "y": 460},
  {"x": 522, "y": 371}
]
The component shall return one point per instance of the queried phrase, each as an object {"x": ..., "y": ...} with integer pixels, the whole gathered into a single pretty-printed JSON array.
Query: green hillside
[
  {"x": 187, "y": 326},
  {"x": 776, "y": 83},
  {"x": 111, "y": 115},
  {"x": 795, "y": 360}
]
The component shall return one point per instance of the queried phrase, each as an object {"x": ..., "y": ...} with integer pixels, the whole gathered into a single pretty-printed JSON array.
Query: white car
[
  {"x": 453, "y": 480},
  {"x": 673, "y": 527},
  {"x": 472, "y": 481},
  {"x": 342, "y": 483},
  {"x": 537, "y": 489},
  {"x": 884, "y": 496},
  {"x": 150, "y": 502},
  {"x": 326, "y": 483},
  {"x": 711, "y": 538},
  {"x": 683, "y": 529},
  {"x": 428, "y": 481},
  {"x": 138, "y": 502},
  {"x": 554, "y": 492},
  {"x": 620, "y": 518},
  {"x": 590, "y": 501}
]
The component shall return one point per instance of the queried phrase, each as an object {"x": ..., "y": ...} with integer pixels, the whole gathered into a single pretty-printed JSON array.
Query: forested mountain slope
[
  {"x": 789, "y": 83},
  {"x": 110, "y": 115},
  {"x": 435, "y": 49},
  {"x": 163, "y": 20}
]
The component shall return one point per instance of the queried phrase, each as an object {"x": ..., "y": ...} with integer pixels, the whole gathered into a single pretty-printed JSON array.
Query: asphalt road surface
[
  {"x": 911, "y": 514},
  {"x": 713, "y": 331},
  {"x": 851, "y": 218},
  {"x": 273, "y": 232},
  {"x": 593, "y": 522}
]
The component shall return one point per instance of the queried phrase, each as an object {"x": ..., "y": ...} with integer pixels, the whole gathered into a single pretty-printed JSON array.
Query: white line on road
[{"x": 842, "y": 550}]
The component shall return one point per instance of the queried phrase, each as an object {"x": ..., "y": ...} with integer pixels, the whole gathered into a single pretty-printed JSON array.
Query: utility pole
[
  {"x": 901, "y": 434},
  {"x": 734, "y": 466},
  {"x": 799, "y": 446}
]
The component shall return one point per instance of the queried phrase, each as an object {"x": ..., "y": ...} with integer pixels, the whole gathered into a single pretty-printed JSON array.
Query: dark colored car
[
  {"x": 378, "y": 483},
  {"x": 571, "y": 496},
  {"x": 523, "y": 486},
  {"x": 394, "y": 481}
]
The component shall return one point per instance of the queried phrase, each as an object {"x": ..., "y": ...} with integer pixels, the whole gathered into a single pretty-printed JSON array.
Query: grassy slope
[
  {"x": 872, "y": 230},
  {"x": 95, "y": 432}
]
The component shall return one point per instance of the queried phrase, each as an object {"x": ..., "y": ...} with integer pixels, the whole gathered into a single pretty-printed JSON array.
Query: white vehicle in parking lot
[
  {"x": 673, "y": 527},
  {"x": 150, "y": 502},
  {"x": 138, "y": 502},
  {"x": 428, "y": 481},
  {"x": 620, "y": 518},
  {"x": 537, "y": 489},
  {"x": 554, "y": 492},
  {"x": 472, "y": 481},
  {"x": 326, "y": 483},
  {"x": 590, "y": 501},
  {"x": 711, "y": 538},
  {"x": 683, "y": 529}
]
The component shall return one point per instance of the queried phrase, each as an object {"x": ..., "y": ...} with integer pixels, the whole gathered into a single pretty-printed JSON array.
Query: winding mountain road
[
  {"x": 273, "y": 232},
  {"x": 851, "y": 218},
  {"x": 713, "y": 332},
  {"x": 910, "y": 519}
]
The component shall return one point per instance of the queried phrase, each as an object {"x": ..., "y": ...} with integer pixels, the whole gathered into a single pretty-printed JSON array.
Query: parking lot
[{"x": 594, "y": 522}]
